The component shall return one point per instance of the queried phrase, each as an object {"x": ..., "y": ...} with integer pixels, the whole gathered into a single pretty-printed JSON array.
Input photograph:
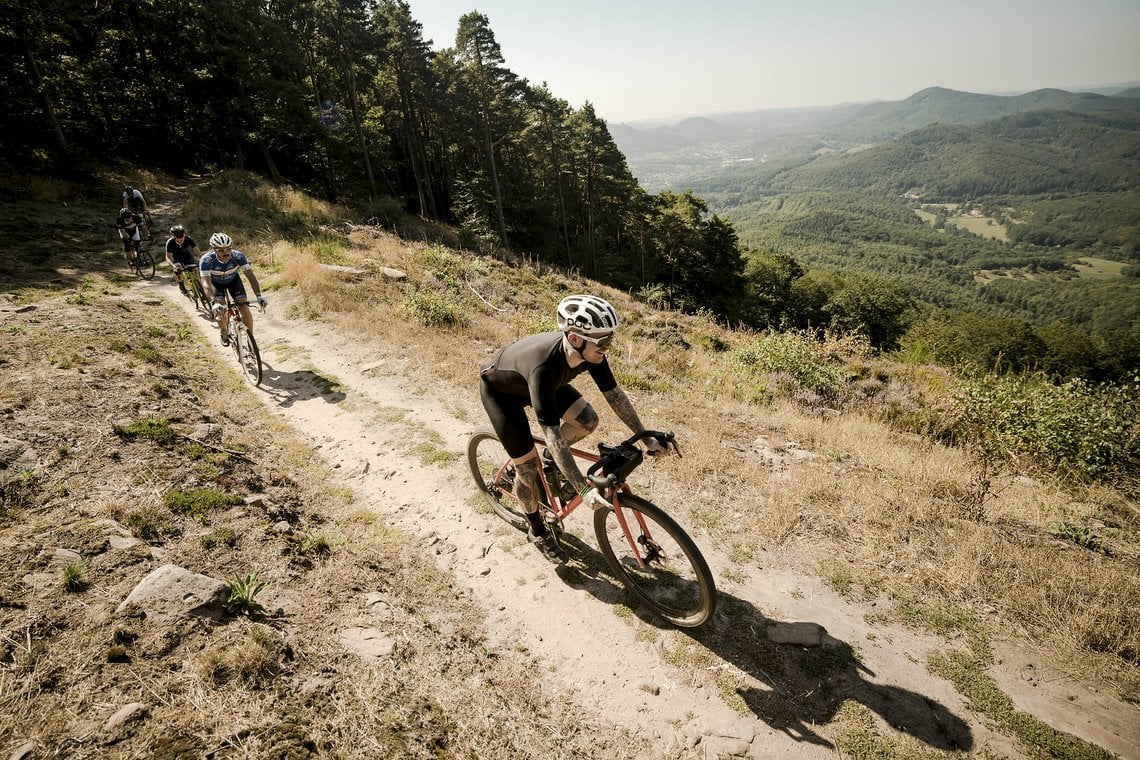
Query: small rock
[
  {"x": 61, "y": 556},
  {"x": 803, "y": 634},
  {"x": 485, "y": 571},
  {"x": 175, "y": 591},
  {"x": 717, "y": 747},
  {"x": 255, "y": 500},
  {"x": 651, "y": 689},
  {"x": 369, "y": 643},
  {"x": 122, "y": 542},
  {"x": 377, "y": 604},
  {"x": 125, "y": 713},
  {"x": 207, "y": 431},
  {"x": 24, "y": 751},
  {"x": 393, "y": 274},
  {"x": 282, "y": 526}
]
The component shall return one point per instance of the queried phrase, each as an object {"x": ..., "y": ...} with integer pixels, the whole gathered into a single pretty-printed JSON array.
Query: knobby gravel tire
[
  {"x": 144, "y": 265},
  {"x": 249, "y": 356},
  {"x": 677, "y": 584}
]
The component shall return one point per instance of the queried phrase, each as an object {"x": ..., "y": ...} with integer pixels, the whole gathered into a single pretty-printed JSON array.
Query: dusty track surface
[{"x": 705, "y": 694}]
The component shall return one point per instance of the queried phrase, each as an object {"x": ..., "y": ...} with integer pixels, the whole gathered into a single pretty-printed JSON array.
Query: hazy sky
[{"x": 638, "y": 59}]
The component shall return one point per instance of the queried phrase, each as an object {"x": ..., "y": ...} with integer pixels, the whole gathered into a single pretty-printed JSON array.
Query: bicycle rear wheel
[
  {"x": 249, "y": 356},
  {"x": 675, "y": 582},
  {"x": 494, "y": 476}
]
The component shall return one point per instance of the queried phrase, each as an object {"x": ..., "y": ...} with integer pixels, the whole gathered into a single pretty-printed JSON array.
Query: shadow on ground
[
  {"x": 287, "y": 388},
  {"x": 799, "y": 687}
]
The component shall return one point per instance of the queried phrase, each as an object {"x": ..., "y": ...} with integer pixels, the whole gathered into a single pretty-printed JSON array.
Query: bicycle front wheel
[
  {"x": 672, "y": 578},
  {"x": 495, "y": 476},
  {"x": 191, "y": 292},
  {"x": 249, "y": 356},
  {"x": 203, "y": 301},
  {"x": 144, "y": 265}
]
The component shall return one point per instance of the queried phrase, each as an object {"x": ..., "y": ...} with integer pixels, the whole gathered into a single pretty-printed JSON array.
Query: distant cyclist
[
  {"x": 220, "y": 270},
  {"x": 536, "y": 371},
  {"x": 181, "y": 254},
  {"x": 129, "y": 224},
  {"x": 134, "y": 200}
]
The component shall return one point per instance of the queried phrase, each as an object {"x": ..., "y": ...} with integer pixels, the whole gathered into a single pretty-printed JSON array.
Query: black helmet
[
  {"x": 178, "y": 229},
  {"x": 124, "y": 210},
  {"x": 128, "y": 189}
]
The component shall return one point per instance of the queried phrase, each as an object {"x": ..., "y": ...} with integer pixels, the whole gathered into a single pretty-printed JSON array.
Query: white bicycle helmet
[
  {"x": 586, "y": 315},
  {"x": 221, "y": 240}
]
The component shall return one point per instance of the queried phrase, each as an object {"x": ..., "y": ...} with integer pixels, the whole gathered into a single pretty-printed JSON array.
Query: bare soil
[{"x": 488, "y": 650}]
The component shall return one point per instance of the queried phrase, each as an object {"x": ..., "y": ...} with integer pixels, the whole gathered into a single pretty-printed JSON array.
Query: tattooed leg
[
  {"x": 579, "y": 421},
  {"x": 526, "y": 481}
]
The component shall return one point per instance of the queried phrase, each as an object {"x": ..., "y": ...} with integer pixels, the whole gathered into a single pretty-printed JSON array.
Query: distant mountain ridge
[
  {"x": 1025, "y": 153},
  {"x": 670, "y": 156}
]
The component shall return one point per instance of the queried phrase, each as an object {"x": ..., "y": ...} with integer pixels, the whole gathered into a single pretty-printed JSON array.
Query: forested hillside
[
  {"x": 691, "y": 151},
  {"x": 348, "y": 100},
  {"x": 1038, "y": 152},
  {"x": 1055, "y": 188}
]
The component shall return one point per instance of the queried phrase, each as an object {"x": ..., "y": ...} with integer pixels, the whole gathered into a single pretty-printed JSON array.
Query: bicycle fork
[{"x": 653, "y": 550}]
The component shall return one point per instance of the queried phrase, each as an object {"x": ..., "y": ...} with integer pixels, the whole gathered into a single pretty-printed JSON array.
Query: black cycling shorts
[
  {"x": 508, "y": 416},
  {"x": 234, "y": 288}
]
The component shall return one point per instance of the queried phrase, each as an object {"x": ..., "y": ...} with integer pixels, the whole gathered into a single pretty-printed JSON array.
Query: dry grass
[
  {"x": 279, "y": 687},
  {"x": 910, "y": 515}
]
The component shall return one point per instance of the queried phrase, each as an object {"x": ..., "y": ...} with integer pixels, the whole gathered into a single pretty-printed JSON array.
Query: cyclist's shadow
[
  {"x": 802, "y": 686},
  {"x": 287, "y": 388}
]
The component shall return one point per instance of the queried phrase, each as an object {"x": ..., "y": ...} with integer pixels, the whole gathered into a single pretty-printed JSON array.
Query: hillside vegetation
[{"x": 967, "y": 506}]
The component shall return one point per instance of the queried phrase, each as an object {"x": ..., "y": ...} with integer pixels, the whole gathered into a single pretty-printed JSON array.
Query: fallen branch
[
  {"x": 481, "y": 298},
  {"x": 231, "y": 452}
]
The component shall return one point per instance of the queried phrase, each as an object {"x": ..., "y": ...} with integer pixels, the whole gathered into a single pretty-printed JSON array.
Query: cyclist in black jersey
[
  {"x": 182, "y": 255},
  {"x": 128, "y": 224},
  {"x": 536, "y": 371}
]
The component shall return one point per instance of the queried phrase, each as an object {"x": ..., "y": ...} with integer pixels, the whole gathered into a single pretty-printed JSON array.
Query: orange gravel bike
[{"x": 644, "y": 547}]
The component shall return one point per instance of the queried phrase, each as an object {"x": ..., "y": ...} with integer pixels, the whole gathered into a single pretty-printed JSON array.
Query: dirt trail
[{"x": 363, "y": 415}]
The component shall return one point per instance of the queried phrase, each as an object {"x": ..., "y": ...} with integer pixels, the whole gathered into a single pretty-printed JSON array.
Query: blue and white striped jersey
[{"x": 223, "y": 274}]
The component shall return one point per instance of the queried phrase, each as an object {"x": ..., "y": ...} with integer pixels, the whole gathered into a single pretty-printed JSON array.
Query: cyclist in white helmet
[
  {"x": 536, "y": 371},
  {"x": 220, "y": 270}
]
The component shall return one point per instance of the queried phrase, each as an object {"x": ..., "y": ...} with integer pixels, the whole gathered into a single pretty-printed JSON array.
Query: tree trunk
[
  {"x": 489, "y": 146},
  {"x": 360, "y": 130},
  {"x": 41, "y": 89}
]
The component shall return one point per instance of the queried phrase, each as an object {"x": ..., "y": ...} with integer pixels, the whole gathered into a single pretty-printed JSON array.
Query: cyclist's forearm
[
  {"x": 623, "y": 408},
  {"x": 560, "y": 450},
  {"x": 253, "y": 283}
]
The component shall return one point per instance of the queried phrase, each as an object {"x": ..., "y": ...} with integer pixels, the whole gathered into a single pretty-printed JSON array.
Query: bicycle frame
[{"x": 613, "y": 493}]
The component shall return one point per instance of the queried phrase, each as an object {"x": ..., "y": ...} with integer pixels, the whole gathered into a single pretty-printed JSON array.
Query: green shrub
[
  {"x": 431, "y": 308},
  {"x": 795, "y": 354},
  {"x": 243, "y": 593},
  {"x": 149, "y": 523},
  {"x": 219, "y": 537},
  {"x": 74, "y": 575},
  {"x": 1084, "y": 431},
  {"x": 155, "y": 428},
  {"x": 198, "y": 502}
]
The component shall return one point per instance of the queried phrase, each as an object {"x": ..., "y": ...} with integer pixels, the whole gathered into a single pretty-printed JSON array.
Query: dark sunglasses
[{"x": 602, "y": 341}]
